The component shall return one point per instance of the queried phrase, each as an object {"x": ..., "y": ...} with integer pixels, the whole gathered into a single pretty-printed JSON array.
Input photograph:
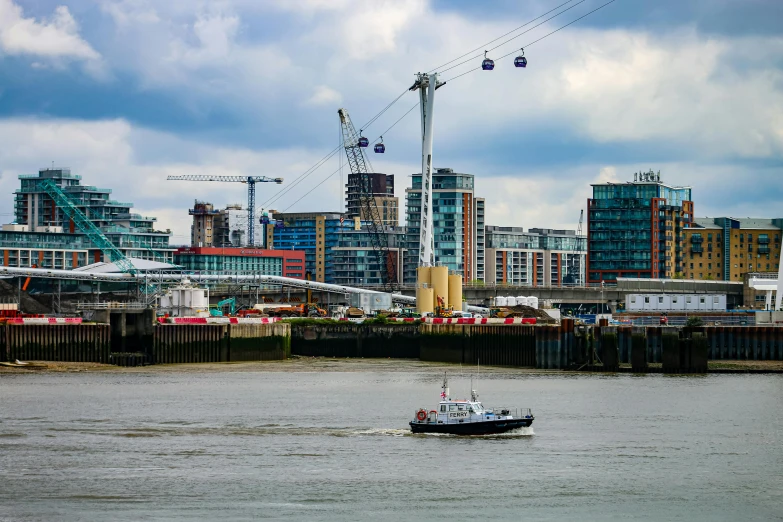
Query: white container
[
  {"x": 691, "y": 302},
  {"x": 521, "y": 300},
  {"x": 500, "y": 301},
  {"x": 371, "y": 302},
  {"x": 532, "y": 302},
  {"x": 511, "y": 301},
  {"x": 677, "y": 302}
]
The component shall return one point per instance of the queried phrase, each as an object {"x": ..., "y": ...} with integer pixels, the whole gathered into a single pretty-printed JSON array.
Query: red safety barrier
[{"x": 44, "y": 320}]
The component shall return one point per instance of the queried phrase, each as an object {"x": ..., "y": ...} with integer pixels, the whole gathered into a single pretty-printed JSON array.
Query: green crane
[{"x": 89, "y": 228}]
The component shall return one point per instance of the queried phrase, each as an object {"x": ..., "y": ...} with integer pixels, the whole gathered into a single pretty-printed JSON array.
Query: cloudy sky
[{"x": 126, "y": 92}]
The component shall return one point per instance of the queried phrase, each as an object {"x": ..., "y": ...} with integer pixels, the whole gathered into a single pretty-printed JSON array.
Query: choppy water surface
[{"x": 334, "y": 446}]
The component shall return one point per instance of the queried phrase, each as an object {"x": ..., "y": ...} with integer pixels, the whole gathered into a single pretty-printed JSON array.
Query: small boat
[{"x": 468, "y": 417}]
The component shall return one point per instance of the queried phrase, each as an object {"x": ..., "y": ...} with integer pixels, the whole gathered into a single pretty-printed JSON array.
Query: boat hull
[{"x": 471, "y": 428}]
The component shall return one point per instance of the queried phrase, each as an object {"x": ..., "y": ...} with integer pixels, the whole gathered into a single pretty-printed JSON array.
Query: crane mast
[
  {"x": 386, "y": 259},
  {"x": 574, "y": 268},
  {"x": 251, "y": 193}
]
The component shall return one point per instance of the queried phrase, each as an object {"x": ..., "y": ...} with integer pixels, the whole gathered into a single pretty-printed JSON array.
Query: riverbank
[{"x": 327, "y": 364}]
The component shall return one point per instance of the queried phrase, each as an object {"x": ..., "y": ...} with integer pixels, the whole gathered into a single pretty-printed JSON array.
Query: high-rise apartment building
[
  {"x": 458, "y": 225},
  {"x": 538, "y": 257},
  {"x": 337, "y": 249},
  {"x": 44, "y": 236},
  {"x": 381, "y": 186},
  {"x": 636, "y": 229},
  {"x": 725, "y": 248}
]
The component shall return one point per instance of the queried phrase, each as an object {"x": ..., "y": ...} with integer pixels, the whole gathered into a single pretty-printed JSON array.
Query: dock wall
[
  {"x": 200, "y": 343},
  {"x": 356, "y": 340},
  {"x": 55, "y": 342}
]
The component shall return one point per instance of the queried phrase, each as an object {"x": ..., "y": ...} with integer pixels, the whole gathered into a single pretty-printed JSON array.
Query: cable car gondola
[
  {"x": 520, "y": 61},
  {"x": 380, "y": 148},
  {"x": 363, "y": 142},
  {"x": 487, "y": 64}
]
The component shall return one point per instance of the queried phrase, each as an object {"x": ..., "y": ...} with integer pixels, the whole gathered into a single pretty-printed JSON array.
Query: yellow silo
[
  {"x": 424, "y": 300},
  {"x": 440, "y": 284},
  {"x": 455, "y": 292}
]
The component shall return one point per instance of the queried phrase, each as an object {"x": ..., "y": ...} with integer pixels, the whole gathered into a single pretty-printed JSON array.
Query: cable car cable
[
  {"x": 338, "y": 170},
  {"x": 513, "y": 38},
  {"x": 328, "y": 156},
  {"x": 483, "y": 46},
  {"x": 534, "y": 41},
  {"x": 312, "y": 169}
]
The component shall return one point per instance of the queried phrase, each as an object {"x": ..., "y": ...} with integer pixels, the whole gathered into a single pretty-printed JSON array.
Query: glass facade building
[
  {"x": 355, "y": 262},
  {"x": 636, "y": 229},
  {"x": 253, "y": 260},
  {"x": 538, "y": 257},
  {"x": 337, "y": 249},
  {"x": 44, "y": 236},
  {"x": 458, "y": 225}
]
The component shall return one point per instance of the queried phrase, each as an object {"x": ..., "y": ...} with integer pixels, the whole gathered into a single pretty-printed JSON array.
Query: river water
[{"x": 334, "y": 445}]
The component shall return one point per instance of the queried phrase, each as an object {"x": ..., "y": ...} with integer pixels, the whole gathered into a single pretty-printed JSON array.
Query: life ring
[
  {"x": 421, "y": 415},
  {"x": 434, "y": 411}
]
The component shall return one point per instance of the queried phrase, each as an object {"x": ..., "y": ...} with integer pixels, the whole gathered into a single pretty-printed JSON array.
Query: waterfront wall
[
  {"x": 355, "y": 340},
  {"x": 55, "y": 342},
  {"x": 200, "y": 343}
]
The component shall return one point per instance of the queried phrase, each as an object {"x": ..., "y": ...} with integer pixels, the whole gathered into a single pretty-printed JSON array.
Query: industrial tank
[
  {"x": 423, "y": 276},
  {"x": 532, "y": 301},
  {"x": 521, "y": 300},
  {"x": 439, "y": 275},
  {"x": 455, "y": 292},
  {"x": 511, "y": 301},
  {"x": 424, "y": 298}
]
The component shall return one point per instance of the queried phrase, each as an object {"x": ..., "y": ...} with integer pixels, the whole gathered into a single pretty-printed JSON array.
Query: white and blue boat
[{"x": 468, "y": 417}]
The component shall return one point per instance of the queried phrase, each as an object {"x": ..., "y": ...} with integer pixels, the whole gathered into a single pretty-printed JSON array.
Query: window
[
  {"x": 701, "y": 300},
  {"x": 647, "y": 300},
  {"x": 688, "y": 300},
  {"x": 660, "y": 299},
  {"x": 691, "y": 266},
  {"x": 674, "y": 299},
  {"x": 452, "y": 407},
  {"x": 443, "y": 407},
  {"x": 633, "y": 297},
  {"x": 700, "y": 265}
]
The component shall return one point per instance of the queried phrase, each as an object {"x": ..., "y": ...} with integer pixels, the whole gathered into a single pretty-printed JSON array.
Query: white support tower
[{"x": 426, "y": 84}]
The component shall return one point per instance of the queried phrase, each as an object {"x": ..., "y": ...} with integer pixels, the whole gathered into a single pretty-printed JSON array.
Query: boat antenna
[{"x": 444, "y": 395}]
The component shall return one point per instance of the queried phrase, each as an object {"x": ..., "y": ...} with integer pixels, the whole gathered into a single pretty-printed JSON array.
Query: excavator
[{"x": 217, "y": 311}]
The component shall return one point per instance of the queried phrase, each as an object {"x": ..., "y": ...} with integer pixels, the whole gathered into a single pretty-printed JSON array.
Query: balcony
[
  {"x": 696, "y": 249},
  {"x": 763, "y": 249},
  {"x": 697, "y": 239},
  {"x": 763, "y": 240}
]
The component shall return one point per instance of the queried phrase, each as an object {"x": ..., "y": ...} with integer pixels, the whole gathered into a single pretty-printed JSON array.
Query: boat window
[
  {"x": 442, "y": 407},
  {"x": 452, "y": 407},
  {"x": 461, "y": 407},
  {"x": 478, "y": 407}
]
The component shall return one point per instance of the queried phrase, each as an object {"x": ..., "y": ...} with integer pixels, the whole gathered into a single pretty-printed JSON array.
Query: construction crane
[
  {"x": 572, "y": 277},
  {"x": 251, "y": 193},
  {"x": 354, "y": 143},
  {"x": 89, "y": 228}
]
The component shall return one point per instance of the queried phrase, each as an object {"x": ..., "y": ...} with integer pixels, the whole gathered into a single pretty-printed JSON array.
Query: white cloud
[
  {"x": 113, "y": 154},
  {"x": 55, "y": 38},
  {"x": 324, "y": 95}
]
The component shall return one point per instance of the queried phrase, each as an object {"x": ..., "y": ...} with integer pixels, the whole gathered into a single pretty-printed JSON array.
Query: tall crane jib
[
  {"x": 251, "y": 193},
  {"x": 369, "y": 208},
  {"x": 89, "y": 228},
  {"x": 574, "y": 265}
]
